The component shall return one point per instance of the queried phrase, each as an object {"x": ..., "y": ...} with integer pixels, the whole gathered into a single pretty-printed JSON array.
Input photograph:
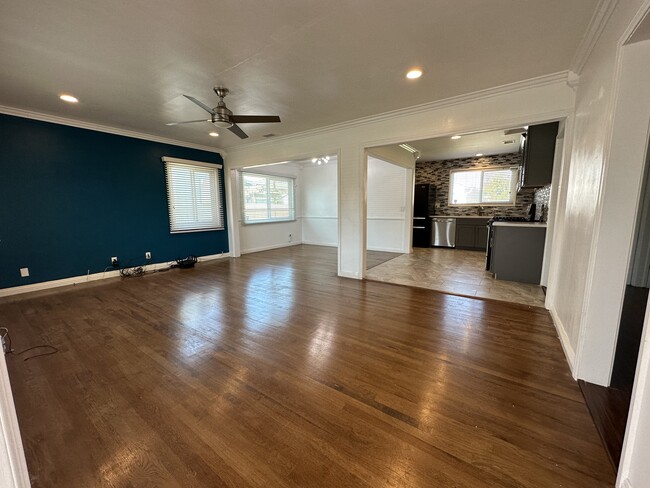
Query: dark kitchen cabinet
[
  {"x": 471, "y": 234},
  {"x": 539, "y": 151},
  {"x": 518, "y": 252}
]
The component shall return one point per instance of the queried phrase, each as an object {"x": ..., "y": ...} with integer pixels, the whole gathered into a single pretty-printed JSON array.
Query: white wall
[
  {"x": 260, "y": 237},
  {"x": 13, "y": 469},
  {"x": 532, "y": 101},
  {"x": 593, "y": 232},
  {"x": 386, "y": 206},
  {"x": 319, "y": 192},
  {"x": 634, "y": 469}
]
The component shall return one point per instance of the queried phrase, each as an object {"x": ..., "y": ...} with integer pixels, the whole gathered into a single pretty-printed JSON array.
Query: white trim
[
  {"x": 13, "y": 473},
  {"x": 637, "y": 407},
  {"x": 386, "y": 249},
  {"x": 268, "y": 248},
  {"x": 354, "y": 276},
  {"x": 75, "y": 280},
  {"x": 487, "y": 93},
  {"x": 28, "y": 114},
  {"x": 204, "y": 164},
  {"x": 211, "y": 257},
  {"x": 594, "y": 30},
  {"x": 325, "y": 244},
  {"x": 318, "y": 218},
  {"x": 625, "y": 484},
  {"x": 569, "y": 353}
]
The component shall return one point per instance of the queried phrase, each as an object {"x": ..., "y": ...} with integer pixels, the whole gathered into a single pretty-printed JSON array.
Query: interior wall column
[{"x": 352, "y": 176}]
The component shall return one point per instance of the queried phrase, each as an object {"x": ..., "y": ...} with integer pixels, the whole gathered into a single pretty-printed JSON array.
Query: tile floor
[{"x": 453, "y": 271}]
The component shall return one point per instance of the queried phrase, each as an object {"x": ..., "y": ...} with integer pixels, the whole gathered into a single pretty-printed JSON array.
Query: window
[
  {"x": 193, "y": 195},
  {"x": 266, "y": 198},
  {"x": 495, "y": 186}
]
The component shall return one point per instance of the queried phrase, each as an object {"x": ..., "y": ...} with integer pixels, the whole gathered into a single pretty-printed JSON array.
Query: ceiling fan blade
[
  {"x": 200, "y": 104},
  {"x": 235, "y": 129},
  {"x": 189, "y": 122},
  {"x": 254, "y": 119}
]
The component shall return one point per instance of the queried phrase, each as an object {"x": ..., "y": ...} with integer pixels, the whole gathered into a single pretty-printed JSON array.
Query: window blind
[
  {"x": 266, "y": 198},
  {"x": 193, "y": 195},
  {"x": 483, "y": 187}
]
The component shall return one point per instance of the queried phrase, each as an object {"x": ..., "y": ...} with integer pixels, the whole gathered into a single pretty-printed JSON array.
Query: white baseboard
[
  {"x": 268, "y": 248},
  {"x": 564, "y": 340},
  {"x": 386, "y": 249},
  {"x": 326, "y": 244},
  {"x": 75, "y": 280},
  {"x": 354, "y": 276}
]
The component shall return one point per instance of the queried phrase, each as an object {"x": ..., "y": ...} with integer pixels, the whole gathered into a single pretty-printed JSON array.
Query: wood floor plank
[{"x": 269, "y": 370}]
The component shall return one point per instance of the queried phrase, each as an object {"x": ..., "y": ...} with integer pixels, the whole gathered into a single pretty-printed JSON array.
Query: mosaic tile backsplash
[{"x": 436, "y": 173}]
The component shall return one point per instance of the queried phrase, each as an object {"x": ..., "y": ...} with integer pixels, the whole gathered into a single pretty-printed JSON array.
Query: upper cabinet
[{"x": 539, "y": 151}]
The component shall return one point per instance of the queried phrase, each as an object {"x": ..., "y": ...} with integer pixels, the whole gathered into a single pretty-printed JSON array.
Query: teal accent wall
[{"x": 71, "y": 198}]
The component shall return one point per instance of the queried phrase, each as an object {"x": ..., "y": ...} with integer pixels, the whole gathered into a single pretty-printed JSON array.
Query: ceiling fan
[{"x": 222, "y": 117}]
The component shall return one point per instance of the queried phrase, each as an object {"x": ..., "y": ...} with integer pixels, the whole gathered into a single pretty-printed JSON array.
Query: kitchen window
[
  {"x": 193, "y": 195},
  {"x": 491, "y": 186},
  {"x": 267, "y": 198}
]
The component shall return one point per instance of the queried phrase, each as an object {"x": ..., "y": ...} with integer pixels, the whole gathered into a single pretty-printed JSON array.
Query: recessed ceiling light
[
  {"x": 214, "y": 134},
  {"x": 478, "y": 155},
  {"x": 68, "y": 98},
  {"x": 414, "y": 74},
  {"x": 455, "y": 137}
]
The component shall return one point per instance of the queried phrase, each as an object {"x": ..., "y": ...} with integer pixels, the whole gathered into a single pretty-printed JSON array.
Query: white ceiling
[
  {"x": 486, "y": 143},
  {"x": 314, "y": 63}
]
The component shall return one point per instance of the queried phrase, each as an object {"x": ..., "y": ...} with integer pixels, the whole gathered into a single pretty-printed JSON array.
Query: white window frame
[
  {"x": 269, "y": 177},
  {"x": 513, "y": 187},
  {"x": 197, "y": 225}
]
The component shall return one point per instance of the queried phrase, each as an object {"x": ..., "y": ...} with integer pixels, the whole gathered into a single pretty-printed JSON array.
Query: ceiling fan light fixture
[
  {"x": 223, "y": 124},
  {"x": 321, "y": 160}
]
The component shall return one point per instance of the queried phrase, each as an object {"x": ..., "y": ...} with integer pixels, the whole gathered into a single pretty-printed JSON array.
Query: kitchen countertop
[{"x": 519, "y": 224}]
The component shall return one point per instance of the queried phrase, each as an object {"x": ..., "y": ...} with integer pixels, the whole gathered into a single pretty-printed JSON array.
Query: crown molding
[
  {"x": 594, "y": 30},
  {"x": 28, "y": 114},
  {"x": 560, "y": 77}
]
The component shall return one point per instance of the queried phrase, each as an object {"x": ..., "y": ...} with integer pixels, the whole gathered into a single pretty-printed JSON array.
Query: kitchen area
[{"x": 480, "y": 211}]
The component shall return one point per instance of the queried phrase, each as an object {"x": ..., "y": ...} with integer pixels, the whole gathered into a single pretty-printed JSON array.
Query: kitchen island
[{"x": 518, "y": 251}]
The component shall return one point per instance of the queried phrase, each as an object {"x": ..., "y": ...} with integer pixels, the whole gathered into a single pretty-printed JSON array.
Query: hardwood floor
[
  {"x": 270, "y": 371},
  {"x": 609, "y": 407}
]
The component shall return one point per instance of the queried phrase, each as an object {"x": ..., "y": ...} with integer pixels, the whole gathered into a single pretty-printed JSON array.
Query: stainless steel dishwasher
[{"x": 443, "y": 232}]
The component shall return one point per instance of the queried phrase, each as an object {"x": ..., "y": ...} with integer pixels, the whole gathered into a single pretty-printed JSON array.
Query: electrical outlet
[
  {"x": 147, "y": 255},
  {"x": 24, "y": 272},
  {"x": 290, "y": 238},
  {"x": 114, "y": 262}
]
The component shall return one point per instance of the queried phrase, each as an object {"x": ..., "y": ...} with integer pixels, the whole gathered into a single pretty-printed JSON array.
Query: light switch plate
[{"x": 24, "y": 272}]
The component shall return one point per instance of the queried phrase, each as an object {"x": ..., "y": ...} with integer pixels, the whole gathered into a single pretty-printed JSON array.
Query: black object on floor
[{"x": 629, "y": 337}]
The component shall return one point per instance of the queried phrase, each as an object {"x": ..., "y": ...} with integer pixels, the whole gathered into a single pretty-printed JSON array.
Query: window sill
[
  {"x": 211, "y": 229},
  {"x": 267, "y": 222}
]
